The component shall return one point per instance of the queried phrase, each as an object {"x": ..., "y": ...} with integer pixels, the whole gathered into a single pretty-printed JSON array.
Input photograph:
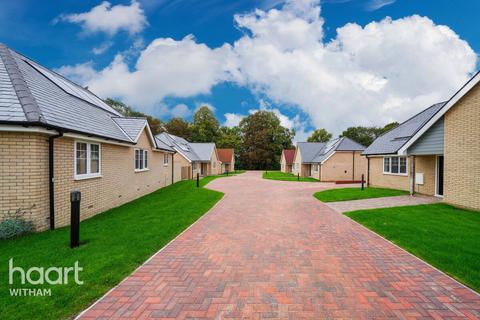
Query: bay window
[{"x": 87, "y": 157}]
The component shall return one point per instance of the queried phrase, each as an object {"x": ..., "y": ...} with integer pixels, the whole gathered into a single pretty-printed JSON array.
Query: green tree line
[{"x": 258, "y": 140}]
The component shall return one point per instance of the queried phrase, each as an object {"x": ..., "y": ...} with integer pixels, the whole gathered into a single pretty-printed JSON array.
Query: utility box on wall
[{"x": 419, "y": 178}]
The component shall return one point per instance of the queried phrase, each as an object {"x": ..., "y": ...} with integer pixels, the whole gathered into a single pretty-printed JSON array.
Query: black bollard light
[
  {"x": 198, "y": 180},
  {"x": 227, "y": 173},
  {"x": 75, "y": 197},
  {"x": 363, "y": 181},
  {"x": 298, "y": 176}
]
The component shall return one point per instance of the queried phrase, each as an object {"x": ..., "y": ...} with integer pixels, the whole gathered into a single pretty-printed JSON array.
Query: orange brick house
[
  {"x": 56, "y": 136},
  {"x": 286, "y": 160},
  {"x": 339, "y": 160},
  {"x": 436, "y": 152},
  {"x": 227, "y": 159}
]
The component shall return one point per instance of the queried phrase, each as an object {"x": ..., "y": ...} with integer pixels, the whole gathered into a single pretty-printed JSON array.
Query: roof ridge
[{"x": 27, "y": 101}]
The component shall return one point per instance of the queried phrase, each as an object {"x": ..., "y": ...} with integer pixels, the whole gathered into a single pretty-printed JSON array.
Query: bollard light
[{"x": 75, "y": 197}]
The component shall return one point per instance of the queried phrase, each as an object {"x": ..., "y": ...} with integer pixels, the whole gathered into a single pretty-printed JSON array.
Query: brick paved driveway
[
  {"x": 270, "y": 250},
  {"x": 385, "y": 202}
]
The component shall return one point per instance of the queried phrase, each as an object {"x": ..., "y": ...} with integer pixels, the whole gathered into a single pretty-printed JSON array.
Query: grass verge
[
  {"x": 283, "y": 176},
  {"x": 114, "y": 244},
  {"x": 444, "y": 236},
  {"x": 345, "y": 194}
]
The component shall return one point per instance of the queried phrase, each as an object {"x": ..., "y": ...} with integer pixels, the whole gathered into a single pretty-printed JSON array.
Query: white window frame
[
  {"x": 165, "y": 159},
  {"x": 390, "y": 166},
  {"x": 88, "y": 174},
  {"x": 144, "y": 160}
]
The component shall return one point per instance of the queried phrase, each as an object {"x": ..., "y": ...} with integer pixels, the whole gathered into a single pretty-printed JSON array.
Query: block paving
[{"x": 269, "y": 250}]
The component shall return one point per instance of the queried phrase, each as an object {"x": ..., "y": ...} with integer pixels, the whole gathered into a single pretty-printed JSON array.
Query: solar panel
[{"x": 72, "y": 88}]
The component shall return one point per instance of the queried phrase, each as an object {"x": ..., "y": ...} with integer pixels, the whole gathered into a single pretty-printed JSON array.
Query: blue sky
[{"x": 46, "y": 34}]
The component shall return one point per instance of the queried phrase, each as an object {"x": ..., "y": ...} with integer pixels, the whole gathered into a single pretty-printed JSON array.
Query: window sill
[
  {"x": 396, "y": 174},
  {"x": 87, "y": 176},
  {"x": 142, "y": 170},
  {"x": 165, "y": 164}
]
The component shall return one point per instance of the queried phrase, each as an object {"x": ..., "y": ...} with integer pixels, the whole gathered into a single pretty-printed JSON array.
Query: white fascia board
[
  {"x": 17, "y": 128},
  {"x": 448, "y": 105}
]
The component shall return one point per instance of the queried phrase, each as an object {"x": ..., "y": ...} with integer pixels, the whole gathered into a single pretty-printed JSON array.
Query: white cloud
[
  {"x": 232, "y": 119},
  {"x": 205, "y": 104},
  {"x": 102, "y": 48},
  {"x": 180, "y": 111},
  {"x": 80, "y": 73},
  {"x": 366, "y": 75},
  {"x": 164, "y": 68},
  {"x": 109, "y": 19},
  {"x": 373, "y": 5}
]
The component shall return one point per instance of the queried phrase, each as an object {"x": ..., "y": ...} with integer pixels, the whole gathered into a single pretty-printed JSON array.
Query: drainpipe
[
  {"x": 51, "y": 177},
  {"x": 412, "y": 175},
  {"x": 368, "y": 172},
  {"x": 173, "y": 163}
]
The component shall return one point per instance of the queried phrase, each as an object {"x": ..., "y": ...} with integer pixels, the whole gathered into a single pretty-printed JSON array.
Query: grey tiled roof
[
  {"x": 203, "y": 150},
  {"x": 321, "y": 151},
  {"x": 391, "y": 141},
  {"x": 309, "y": 150},
  {"x": 131, "y": 126},
  {"x": 192, "y": 151},
  {"x": 32, "y": 94},
  {"x": 10, "y": 107}
]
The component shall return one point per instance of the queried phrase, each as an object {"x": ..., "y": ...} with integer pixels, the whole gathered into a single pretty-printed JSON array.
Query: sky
[{"x": 317, "y": 64}]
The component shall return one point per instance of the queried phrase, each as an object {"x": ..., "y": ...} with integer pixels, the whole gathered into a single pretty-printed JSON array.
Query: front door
[
  {"x": 439, "y": 177},
  {"x": 203, "y": 168}
]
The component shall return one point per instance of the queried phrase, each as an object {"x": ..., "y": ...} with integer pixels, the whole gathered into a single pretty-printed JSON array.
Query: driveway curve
[{"x": 269, "y": 249}]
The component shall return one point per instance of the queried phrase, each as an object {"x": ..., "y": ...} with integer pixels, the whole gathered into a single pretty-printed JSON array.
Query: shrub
[{"x": 14, "y": 224}]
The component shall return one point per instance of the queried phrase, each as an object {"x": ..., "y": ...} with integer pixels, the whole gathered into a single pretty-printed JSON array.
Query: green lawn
[
  {"x": 345, "y": 194},
  {"x": 114, "y": 244},
  {"x": 444, "y": 236},
  {"x": 278, "y": 175}
]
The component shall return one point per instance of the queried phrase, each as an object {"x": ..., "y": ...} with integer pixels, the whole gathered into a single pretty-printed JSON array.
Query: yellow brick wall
[
  {"x": 426, "y": 165},
  {"x": 297, "y": 163},
  {"x": 462, "y": 152},
  {"x": 378, "y": 179},
  {"x": 339, "y": 167},
  {"x": 180, "y": 162},
  {"x": 119, "y": 182},
  {"x": 24, "y": 175}
]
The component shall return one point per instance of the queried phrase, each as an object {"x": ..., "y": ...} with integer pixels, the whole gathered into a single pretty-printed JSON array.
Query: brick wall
[
  {"x": 119, "y": 182},
  {"x": 24, "y": 175},
  {"x": 426, "y": 165},
  {"x": 378, "y": 179},
  {"x": 462, "y": 152},
  {"x": 339, "y": 167}
]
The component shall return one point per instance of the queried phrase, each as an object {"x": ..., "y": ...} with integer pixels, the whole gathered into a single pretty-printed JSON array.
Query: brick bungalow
[
  {"x": 56, "y": 136},
  {"x": 191, "y": 158},
  {"x": 227, "y": 159},
  {"x": 286, "y": 160},
  {"x": 436, "y": 152},
  {"x": 339, "y": 160}
]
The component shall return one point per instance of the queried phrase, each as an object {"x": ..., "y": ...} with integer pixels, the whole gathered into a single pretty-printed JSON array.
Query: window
[
  {"x": 87, "y": 160},
  {"x": 194, "y": 166},
  {"x": 395, "y": 165},
  {"x": 165, "y": 159},
  {"x": 141, "y": 160},
  {"x": 403, "y": 165},
  {"x": 386, "y": 164}
]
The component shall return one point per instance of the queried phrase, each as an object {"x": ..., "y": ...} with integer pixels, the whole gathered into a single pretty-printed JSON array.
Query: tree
[
  {"x": 155, "y": 124},
  {"x": 366, "y": 135},
  {"x": 263, "y": 140},
  {"x": 320, "y": 135},
  {"x": 388, "y": 127},
  {"x": 205, "y": 126},
  {"x": 179, "y": 127},
  {"x": 230, "y": 138}
]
